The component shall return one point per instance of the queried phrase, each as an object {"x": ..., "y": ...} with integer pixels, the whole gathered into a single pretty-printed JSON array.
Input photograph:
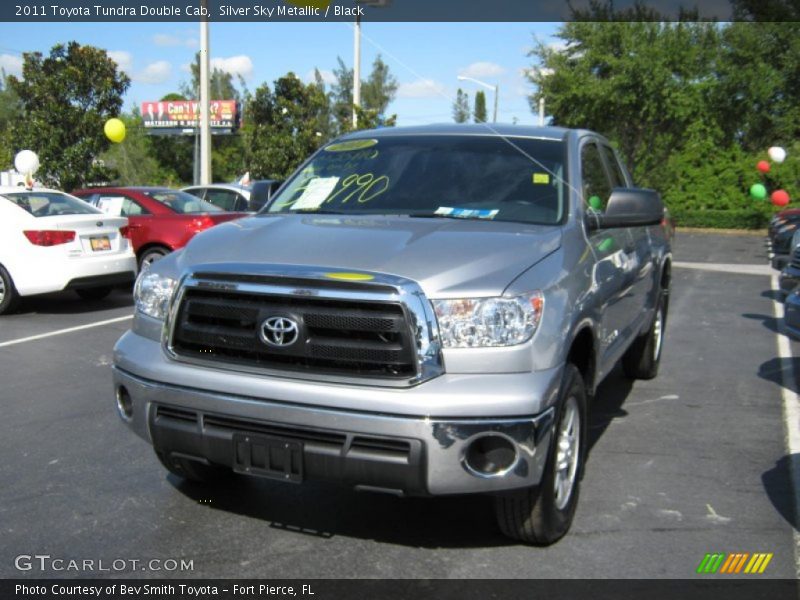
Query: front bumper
[{"x": 198, "y": 414}]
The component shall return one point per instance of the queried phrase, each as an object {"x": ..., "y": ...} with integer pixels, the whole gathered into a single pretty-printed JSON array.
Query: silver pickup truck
[{"x": 418, "y": 311}]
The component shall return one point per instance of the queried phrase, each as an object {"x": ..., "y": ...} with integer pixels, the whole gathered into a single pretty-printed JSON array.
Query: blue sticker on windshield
[{"x": 467, "y": 213}]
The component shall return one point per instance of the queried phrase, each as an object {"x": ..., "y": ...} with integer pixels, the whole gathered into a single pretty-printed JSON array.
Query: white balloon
[
  {"x": 26, "y": 161},
  {"x": 777, "y": 154}
]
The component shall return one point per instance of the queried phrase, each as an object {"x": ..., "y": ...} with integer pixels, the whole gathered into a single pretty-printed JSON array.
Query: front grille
[{"x": 337, "y": 337}]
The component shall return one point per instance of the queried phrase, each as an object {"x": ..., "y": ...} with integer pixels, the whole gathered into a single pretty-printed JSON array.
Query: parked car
[
  {"x": 233, "y": 197},
  {"x": 51, "y": 241},
  {"x": 419, "y": 311},
  {"x": 781, "y": 229},
  {"x": 790, "y": 274},
  {"x": 791, "y": 314},
  {"x": 160, "y": 219}
]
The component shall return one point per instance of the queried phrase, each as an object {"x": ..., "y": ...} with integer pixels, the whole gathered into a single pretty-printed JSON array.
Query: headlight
[
  {"x": 486, "y": 322},
  {"x": 152, "y": 294}
]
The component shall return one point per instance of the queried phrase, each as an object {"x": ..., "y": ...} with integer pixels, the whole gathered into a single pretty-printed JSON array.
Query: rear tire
[
  {"x": 151, "y": 255},
  {"x": 642, "y": 359},
  {"x": 9, "y": 297},
  {"x": 193, "y": 470},
  {"x": 543, "y": 514},
  {"x": 97, "y": 293}
]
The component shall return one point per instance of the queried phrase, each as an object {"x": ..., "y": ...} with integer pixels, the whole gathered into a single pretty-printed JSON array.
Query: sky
[{"x": 426, "y": 58}]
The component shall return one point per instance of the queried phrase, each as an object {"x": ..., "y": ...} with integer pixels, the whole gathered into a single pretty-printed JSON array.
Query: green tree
[
  {"x": 461, "y": 107},
  {"x": 10, "y": 112},
  {"x": 759, "y": 83},
  {"x": 226, "y": 150},
  {"x": 134, "y": 161},
  {"x": 480, "y": 107},
  {"x": 66, "y": 99},
  {"x": 175, "y": 153},
  {"x": 642, "y": 84},
  {"x": 377, "y": 92},
  {"x": 284, "y": 125}
]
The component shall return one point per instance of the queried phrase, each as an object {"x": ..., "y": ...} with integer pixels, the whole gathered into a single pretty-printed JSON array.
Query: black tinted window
[{"x": 461, "y": 176}]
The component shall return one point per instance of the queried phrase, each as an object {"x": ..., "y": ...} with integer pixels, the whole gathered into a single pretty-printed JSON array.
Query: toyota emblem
[{"x": 279, "y": 331}]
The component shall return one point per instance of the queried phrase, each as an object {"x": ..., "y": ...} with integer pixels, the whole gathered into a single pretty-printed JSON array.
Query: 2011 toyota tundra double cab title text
[{"x": 419, "y": 311}]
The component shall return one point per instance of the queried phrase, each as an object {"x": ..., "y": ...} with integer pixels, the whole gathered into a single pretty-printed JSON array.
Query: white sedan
[{"x": 51, "y": 241}]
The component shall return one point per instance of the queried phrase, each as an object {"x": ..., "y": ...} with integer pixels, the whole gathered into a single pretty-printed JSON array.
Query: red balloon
[
  {"x": 780, "y": 198},
  {"x": 763, "y": 166}
]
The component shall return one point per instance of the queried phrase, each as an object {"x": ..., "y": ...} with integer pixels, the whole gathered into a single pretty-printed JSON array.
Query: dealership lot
[{"x": 692, "y": 462}]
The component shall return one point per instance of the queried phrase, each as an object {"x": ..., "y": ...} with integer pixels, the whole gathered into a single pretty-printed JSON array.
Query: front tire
[
  {"x": 9, "y": 297},
  {"x": 543, "y": 514},
  {"x": 642, "y": 359}
]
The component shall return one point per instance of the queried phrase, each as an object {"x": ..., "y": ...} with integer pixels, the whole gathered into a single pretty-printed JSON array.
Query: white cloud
[
  {"x": 235, "y": 65},
  {"x": 421, "y": 88},
  {"x": 165, "y": 39},
  {"x": 154, "y": 73},
  {"x": 482, "y": 69},
  {"x": 327, "y": 76},
  {"x": 11, "y": 64},
  {"x": 123, "y": 59}
]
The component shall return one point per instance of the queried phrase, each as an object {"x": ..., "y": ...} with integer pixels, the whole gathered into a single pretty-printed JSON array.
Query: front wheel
[{"x": 543, "y": 514}]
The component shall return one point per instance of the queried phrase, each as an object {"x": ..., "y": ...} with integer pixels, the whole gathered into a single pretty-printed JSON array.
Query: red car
[{"x": 160, "y": 220}]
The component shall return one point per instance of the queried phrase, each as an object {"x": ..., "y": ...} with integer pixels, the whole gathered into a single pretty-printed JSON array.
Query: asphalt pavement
[{"x": 692, "y": 462}]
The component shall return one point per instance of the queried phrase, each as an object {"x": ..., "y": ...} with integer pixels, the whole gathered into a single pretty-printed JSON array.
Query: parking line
[
  {"x": 63, "y": 331},
  {"x": 791, "y": 413},
  {"x": 740, "y": 269}
]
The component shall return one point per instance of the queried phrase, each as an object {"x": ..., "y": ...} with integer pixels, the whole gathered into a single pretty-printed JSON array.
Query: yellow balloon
[{"x": 115, "y": 130}]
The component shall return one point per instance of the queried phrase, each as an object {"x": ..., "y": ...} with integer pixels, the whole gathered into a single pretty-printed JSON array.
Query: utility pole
[
  {"x": 205, "y": 128},
  {"x": 356, "y": 69}
]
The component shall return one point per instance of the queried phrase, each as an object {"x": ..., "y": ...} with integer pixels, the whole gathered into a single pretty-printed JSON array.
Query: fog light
[
  {"x": 490, "y": 456},
  {"x": 124, "y": 404}
]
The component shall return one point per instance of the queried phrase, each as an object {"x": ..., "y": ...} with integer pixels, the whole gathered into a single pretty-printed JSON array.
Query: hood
[{"x": 447, "y": 257}]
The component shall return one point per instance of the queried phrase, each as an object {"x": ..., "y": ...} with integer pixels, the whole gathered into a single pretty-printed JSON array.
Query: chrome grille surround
[{"x": 306, "y": 282}]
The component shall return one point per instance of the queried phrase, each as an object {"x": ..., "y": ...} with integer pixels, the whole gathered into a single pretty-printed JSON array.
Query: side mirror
[{"x": 628, "y": 207}]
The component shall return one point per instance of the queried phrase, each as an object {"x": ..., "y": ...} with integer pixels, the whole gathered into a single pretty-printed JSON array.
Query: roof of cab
[{"x": 493, "y": 129}]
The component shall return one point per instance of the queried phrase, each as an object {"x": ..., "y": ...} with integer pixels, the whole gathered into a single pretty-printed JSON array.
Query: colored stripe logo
[{"x": 734, "y": 563}]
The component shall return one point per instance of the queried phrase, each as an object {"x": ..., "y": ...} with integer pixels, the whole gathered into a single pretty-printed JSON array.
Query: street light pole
[{"x": 494, "y": 88}]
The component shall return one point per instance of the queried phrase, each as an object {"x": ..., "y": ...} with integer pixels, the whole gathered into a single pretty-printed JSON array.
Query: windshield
[
  {"x": 475, "y": 177},
  {"x": 181, "y": 202},
  {"x": 47, "y": 204}
]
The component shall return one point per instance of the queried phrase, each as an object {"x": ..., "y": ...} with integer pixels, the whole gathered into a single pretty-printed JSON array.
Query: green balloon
[
  {"x": 595, "y": 202},
  {"x": 758, "y": 191}
]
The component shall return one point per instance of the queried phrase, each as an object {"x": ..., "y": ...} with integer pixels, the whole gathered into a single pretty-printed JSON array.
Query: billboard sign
[{"x": 179, "y": 114}]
